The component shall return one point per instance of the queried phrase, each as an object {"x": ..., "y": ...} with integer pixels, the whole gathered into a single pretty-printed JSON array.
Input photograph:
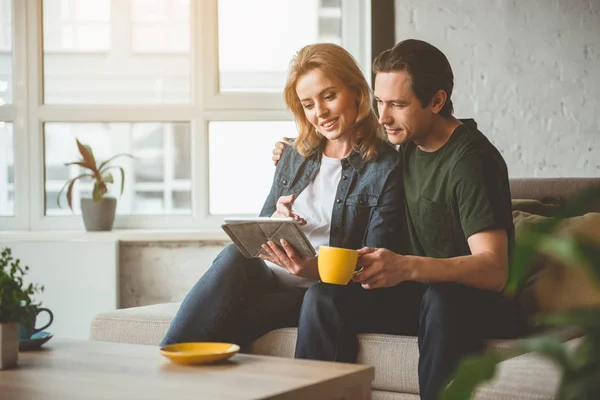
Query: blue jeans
[
  {"x": 450, "y": 320},
  {"x": 333, "y": 315},
  {"x": 455, "y": 321},
  {"x": 237, "y": 300}
]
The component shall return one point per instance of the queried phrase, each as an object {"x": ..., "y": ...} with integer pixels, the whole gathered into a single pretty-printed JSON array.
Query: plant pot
[
  {"x": 9, "y": 345},
  {"x": 98, "y": 216}
]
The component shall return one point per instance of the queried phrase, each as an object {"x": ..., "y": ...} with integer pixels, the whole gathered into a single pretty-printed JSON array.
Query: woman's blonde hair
[{"x": 338, "y": 65}]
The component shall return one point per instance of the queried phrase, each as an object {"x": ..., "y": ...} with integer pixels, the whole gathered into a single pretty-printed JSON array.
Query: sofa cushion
[
  {"x": 535, "y": 207},
  {"x": 526, "y": 377},
  {"x": 395, "y": 357},
  {"x": 136, "y": 325},
  {"x": 553, "y": 285},
  {"x": 554, "y": 190}
]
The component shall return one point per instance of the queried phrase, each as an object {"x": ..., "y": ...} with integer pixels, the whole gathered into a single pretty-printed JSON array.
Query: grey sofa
[{"x": 395, "y": 357}]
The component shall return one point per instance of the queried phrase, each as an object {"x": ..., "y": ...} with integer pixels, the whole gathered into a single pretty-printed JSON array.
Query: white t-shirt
[{"x": 315, "y": 205}]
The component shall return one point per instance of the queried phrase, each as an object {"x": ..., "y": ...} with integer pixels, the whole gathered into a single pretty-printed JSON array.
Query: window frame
[{"x": 28, "y": 114}]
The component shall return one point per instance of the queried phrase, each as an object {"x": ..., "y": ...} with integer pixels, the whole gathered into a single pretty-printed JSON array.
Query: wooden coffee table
[{"x": 69, "y": 370}]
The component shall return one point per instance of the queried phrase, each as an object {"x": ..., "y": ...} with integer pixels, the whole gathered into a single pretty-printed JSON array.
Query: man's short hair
[{"x": 427, "y": 67}]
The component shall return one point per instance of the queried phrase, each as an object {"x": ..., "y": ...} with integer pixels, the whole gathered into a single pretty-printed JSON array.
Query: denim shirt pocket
[{"x": 361, "y": 200}]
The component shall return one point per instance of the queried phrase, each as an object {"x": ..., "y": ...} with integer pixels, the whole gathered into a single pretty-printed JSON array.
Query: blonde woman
[{"x": 340, "y": 180}]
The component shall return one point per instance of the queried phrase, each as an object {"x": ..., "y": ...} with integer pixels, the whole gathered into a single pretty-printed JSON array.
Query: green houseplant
[
  {"x": 580, "y": 367},
  {"x": 15, "y": 299},
  {"x": 99, "y": 211}
]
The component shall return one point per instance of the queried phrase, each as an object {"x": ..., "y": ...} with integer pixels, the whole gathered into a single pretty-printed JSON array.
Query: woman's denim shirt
[{"x": 369, "y": 201}]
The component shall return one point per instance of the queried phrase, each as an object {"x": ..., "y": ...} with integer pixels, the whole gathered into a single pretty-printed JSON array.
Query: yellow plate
[{"x": 199, "y": 353}]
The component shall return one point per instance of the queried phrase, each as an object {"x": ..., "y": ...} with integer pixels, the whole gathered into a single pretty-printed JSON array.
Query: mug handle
[{"x": 39, "y": 310}]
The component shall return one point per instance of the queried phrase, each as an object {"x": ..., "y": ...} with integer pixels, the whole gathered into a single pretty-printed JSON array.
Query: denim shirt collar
[{"x": 355, "y": 159}]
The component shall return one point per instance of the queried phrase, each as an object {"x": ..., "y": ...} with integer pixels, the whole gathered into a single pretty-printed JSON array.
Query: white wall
[
  {"x": 80, "y": 279},
  {"x": 527, "y": 71},
  {"x": 94, "y": 272}
]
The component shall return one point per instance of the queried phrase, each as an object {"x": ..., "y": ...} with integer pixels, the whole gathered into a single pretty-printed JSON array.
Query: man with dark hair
[
  {"x": 458, "y": 214},
  {"x": 446, "y": 286}
]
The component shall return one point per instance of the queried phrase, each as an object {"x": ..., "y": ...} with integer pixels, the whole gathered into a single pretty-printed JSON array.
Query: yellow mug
[{"x": 336, "y": 265}]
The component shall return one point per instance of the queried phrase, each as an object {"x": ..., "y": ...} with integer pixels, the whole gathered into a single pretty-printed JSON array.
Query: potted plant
[
  {"x": 580, "y": 366},
  {"x": 99, "y": 211},
  {"x": 15, "y": 302}
]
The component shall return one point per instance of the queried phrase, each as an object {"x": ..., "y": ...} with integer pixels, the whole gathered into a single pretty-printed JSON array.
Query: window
[
  {"x": 244, "y": 66},
  {"x": 228, "y": 140},
  {"x": 7, "y": 149},
  {"x": 160, "y": 27},
  {"x": 5, "y": 52},
  {"x": 77, "y": 25},
  {"x": 5, "y": 25},
  {"x": 7, "y": 176},
  {"x": 190, "y": 88},
  {"x": 251, "y": 76},
  {"x": 330, "y": 21},
  {"x": 158, "y": 177},
  {"x": 101, "y": 71}
]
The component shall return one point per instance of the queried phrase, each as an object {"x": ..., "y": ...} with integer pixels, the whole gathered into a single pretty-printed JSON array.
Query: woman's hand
[
  {"x": 288, "y": 260},
  {"x": 284, "y": 209}
]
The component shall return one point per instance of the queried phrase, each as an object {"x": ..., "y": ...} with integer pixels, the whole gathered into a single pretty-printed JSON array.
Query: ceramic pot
[
  {"x": 98, "y": 216},
  {"x": 9, "y": 345}
]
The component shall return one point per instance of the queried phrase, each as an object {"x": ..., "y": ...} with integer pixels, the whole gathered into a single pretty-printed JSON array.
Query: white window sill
[{"x": 121, "y": 235}]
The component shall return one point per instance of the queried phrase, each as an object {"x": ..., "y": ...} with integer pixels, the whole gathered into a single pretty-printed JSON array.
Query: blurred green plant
[
  {"x": 99, "y": 173},
  {"x": 15, "y": 295},
  {"x": 581, "y": 367}
]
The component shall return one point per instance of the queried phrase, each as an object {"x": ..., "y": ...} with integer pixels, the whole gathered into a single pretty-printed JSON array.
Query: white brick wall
[{"x": 527, "y": 71}]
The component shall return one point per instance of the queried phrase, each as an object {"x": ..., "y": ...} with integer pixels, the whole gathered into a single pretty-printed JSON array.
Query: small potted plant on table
[{"x": 15, "y": 302}]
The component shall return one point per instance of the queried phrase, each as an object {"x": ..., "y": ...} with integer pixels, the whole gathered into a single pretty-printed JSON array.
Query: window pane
[
  {"x": 160, "y": 26},
  {"x": 331, "y": 3},
  {"x": 240, "y": 163},
  {"x": 148, "y": 203},
  {"x": 5, "y": 52},
  {"x": 150, "y": 179},
  {"x": 329, "y": 27},
  {"x": 7, "y": 174},
  {"x": 91, "y": 58},
  {"x": 77, "y": 25},
  {"x": 182, "y": 200},
  {"x": 257, "y": 60}
]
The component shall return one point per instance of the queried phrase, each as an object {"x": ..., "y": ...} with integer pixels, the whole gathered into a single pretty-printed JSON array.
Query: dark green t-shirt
[{"x": 454, "y": 192}]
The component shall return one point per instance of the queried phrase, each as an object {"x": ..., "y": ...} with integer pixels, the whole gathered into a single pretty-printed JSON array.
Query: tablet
[
  {"x": 249, "y": 234},
  {"x": 233, "y": 220}
]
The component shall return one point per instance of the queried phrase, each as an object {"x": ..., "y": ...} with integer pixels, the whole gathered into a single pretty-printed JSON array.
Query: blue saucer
[{"x": 35, "y": 342}]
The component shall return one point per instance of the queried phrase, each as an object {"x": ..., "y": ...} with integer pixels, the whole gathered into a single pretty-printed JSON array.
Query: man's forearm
[{"x": 482, "y": 271}]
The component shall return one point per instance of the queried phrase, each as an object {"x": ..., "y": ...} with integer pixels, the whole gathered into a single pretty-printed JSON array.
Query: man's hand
[
  {"x": 381, "y": 268},
  {"x": 284, "y": 209},
  {"x": 278, "y": 149},
  {"x": 288, "y": 260}
]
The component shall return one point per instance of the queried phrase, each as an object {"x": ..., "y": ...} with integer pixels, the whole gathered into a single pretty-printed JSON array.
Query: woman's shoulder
[
  {"x": 387, "y": 160},
  {"x": 387, "y": 154},
  {"x": 290, "y": 158},
  {"x": 291, "y": 153}
]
